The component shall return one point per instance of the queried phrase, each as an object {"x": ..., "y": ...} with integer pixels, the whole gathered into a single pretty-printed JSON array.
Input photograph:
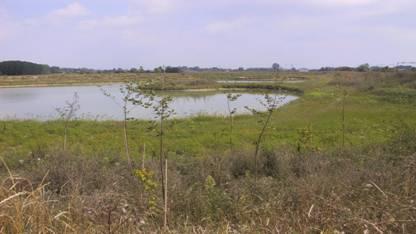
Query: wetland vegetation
[{"x": 340, "y": 158}]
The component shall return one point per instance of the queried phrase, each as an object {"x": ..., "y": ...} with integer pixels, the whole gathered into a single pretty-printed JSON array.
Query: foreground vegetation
[
  {"x": 354, "y": 190},
  {"x": 340, "y": 158}
]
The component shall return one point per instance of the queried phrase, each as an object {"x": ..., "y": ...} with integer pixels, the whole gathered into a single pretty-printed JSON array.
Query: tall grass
[
  {"x": 357, "y": 190},
  {"x": 361, "y": 188}
]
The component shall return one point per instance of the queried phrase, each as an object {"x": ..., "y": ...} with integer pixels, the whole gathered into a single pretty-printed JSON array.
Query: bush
[
  {"x": 269, "y": 163},
  {"x": 241, "y": 164}
]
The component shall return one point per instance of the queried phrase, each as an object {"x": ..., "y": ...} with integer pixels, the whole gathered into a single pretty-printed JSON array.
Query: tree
[
  {"x": 133, "y": 70},
  {"x": 55, "y": 69},
  {"x": 23, "y": 68},
  {"x": 67, "y": 113},
  {"x": 276, "y": 67},
  {"x": 130, "y": 95},
  {"x": 172, "y": 70},
  {"x": 231, "y": 111},
  {"x": 158, "y": 69},
  {"x": 363, "y": 67},
  {"x": 162, "y": 110},
  {"x": 270, "y": 103}
]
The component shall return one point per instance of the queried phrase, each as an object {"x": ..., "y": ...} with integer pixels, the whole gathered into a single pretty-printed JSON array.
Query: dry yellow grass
[{"x": 26, "y": 209}]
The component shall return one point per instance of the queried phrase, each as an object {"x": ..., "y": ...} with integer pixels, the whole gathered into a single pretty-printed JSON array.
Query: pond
[{"x": 40, "y": 103}]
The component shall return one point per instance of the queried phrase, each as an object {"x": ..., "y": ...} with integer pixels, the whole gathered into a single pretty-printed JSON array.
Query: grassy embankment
[{"x": 191, "y": 80}]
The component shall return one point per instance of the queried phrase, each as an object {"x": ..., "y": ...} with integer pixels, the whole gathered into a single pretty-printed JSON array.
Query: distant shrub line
[{"x": 264, "y": 87}]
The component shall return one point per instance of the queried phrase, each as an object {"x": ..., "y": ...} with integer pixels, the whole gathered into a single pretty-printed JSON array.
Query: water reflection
[{"x": 40, "y": 103}]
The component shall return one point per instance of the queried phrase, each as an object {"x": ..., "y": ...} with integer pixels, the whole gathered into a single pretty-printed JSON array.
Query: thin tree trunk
[
  {"x": 165, "y": 218},
  {"x": 126, "y": 140},
  {"x": 144, "y": 154},
  {"x": 259, "y": 142},
  {"x": 65, "y": 135},
  {"x": 161, "y": 157},
  {"x": 109, "y": 221},
  {"x": 231, "y": 126},
  {"x": 231, "y": 133},
  {"x": 343, "y": 120}
]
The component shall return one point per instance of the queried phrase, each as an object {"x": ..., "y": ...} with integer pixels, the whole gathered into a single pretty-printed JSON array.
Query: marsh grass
[
  {"x": 357, "y": 190},
  {"x": 301, "y": 182}
]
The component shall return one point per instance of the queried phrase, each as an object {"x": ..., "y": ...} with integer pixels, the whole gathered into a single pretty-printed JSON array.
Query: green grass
[
  {"x": 370, "y": 118},
  {"x": 315, "y": 187}
]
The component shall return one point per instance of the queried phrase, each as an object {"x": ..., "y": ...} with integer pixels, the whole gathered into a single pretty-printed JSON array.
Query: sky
[{"x": 106, "y": 34}]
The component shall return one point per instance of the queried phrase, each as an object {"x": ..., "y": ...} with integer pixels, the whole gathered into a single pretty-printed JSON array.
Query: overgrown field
[
  {"x": 374, "y": 104},
  {"x": 340, "y": 158}
]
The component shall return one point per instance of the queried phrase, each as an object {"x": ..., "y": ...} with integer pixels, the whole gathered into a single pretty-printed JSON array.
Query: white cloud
[
  {"x": 398, "y": 35},
  {"x": 397, "y": 4},
  {"x": 124, "y": 21},
  {"x": 295, "y": 2},
  {"x": 293, "y": 30},
  {"x": 6, "y": 26},
  {"x": 3, "y": 31},
  {"x": 227, "y": 25},
  {"x": 159, "y": 6},
  {"x": 155, "y": 6},
  {"x": 68, "y": 14},
  {"x": 74, "y": 9},
  {"x": 344, "y": 2},
  {"x": 2, "y": 12},
  {"x": 364, "y": 7}
]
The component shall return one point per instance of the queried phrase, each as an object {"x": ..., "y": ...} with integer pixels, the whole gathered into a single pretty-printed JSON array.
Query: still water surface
[{"x": 41, "y": 102}]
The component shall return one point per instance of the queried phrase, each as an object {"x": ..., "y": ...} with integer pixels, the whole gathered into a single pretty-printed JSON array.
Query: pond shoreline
[
  {"x": 225, "y": 87},
  {"x": 42, "y": 102},
  {"x": 59, "y": 85}
]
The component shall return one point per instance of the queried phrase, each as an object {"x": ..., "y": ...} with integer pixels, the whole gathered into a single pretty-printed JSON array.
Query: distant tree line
[
  {"x": 366, "y": 67},
  {"x": 23, "y": 68},
  {"x": 29, "y": 68}
]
